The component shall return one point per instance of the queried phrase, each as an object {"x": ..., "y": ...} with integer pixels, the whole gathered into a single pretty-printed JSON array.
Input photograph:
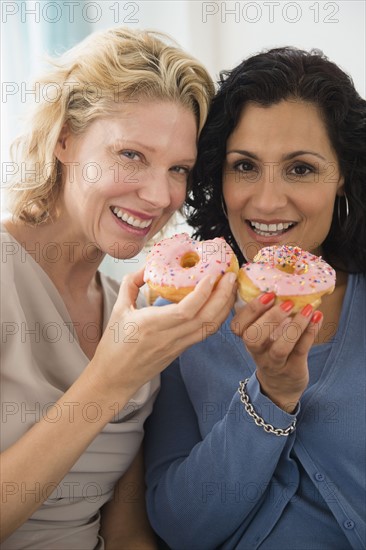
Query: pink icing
[
  {"x": 311, "y": 273},
  {"x": 163, "y": 261}
]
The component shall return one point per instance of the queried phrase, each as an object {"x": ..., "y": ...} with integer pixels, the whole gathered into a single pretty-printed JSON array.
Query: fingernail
[
  {"x": 287, "y": 306},
  {"x": 232, "y": 277},
  {"x": 317, "y": 317},
  {"x": 307, "y": 310},
  {"x": 267, "y": 298}
]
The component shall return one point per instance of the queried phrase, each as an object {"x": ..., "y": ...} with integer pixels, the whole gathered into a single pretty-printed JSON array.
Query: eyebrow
[
  {"x": 302, "y": 152},
  {"x": 129, "y": 144},
  {"x": 289, "y": 156},
  {"x": 244, "y": 153}
]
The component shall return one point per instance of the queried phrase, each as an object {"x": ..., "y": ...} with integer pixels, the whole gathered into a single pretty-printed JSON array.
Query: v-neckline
[{"x": 55, "y": 293}]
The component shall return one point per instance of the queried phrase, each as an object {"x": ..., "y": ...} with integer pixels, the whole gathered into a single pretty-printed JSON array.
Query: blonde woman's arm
[{"x": 40, "y": 459}]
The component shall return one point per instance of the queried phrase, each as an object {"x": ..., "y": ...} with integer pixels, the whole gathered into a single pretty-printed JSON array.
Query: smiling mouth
[
  {"x": 271, "y": 229},
  {"x": 137, "y": 223}
]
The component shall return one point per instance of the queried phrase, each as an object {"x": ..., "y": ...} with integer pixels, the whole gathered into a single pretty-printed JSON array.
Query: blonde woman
[{"x": 107, "y": 159}]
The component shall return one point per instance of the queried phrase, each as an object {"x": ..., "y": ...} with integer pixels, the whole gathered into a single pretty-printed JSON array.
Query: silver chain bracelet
[{"x": 244, "y": 398}]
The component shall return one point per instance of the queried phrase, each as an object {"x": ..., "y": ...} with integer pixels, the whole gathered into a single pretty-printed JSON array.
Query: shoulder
[
  {"x": 10, "y": 256},
  {"x": 12, "y": 270}
]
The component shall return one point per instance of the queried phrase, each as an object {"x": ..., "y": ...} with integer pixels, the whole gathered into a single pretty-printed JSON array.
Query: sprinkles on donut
[
  {"x": 288, "y": 271},
  {"x": 175, "y": 265}
]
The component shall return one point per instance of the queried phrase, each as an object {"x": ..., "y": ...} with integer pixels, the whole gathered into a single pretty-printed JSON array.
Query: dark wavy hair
[{"x": 268, "y": 78}]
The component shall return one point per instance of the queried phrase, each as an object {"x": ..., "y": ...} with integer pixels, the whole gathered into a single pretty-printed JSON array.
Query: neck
[{"x": 70, "y": 262}]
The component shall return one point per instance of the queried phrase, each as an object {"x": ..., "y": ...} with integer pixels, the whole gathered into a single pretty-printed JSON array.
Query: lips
[
  {"x": 270, "y": 229},
  {"x": 133, "y": 221}
]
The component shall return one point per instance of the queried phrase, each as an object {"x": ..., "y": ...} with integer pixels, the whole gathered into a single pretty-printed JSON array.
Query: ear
[
  {"x": 340, "y": 187},
  {"x": 62, "y": 145}
]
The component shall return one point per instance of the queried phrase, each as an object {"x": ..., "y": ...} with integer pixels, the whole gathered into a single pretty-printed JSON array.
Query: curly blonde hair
[{"x": 86, "y": 83}]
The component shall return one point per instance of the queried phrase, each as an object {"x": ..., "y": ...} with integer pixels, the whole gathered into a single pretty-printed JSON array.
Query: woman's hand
[
  {"x": 279, "y": 345},
  {"x": 139, "y": 343},
  {"x": 136, "y": 346}
]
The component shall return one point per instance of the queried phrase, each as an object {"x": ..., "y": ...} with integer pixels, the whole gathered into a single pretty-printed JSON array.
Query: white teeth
[
  {"x": 135, "y": 222},
  {"x": 265, "y": 229}
]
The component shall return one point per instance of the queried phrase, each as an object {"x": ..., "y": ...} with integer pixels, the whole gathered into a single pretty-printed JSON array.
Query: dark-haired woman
[{"x": 279, "y": 463}]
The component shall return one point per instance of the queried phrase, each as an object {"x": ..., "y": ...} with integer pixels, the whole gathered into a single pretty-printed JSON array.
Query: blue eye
[{"x": 131, "y": 155}]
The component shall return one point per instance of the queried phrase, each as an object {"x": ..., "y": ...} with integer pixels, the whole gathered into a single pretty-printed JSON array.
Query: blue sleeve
[{"x": 200, "y": 490}]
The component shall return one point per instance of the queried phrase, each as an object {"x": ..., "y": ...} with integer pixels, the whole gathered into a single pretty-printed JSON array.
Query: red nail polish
[
  {"x": 307, "y": 310},
  {"x": 287, "y": 306},
  {"x": 267, "y": 298},
  {"x": 317, "y": 317}
]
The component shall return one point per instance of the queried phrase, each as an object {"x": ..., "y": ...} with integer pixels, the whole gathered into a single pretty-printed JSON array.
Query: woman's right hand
[
  {"x": 279, "y": 345},
  {"x": 136, "y": 346},
  {"x": 139, "y": 343}
]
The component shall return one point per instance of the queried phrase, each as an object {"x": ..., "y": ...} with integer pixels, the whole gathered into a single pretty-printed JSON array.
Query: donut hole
[
  {"x": 287, "y": 268},
  {"x": 189, "y": 259},
  {"x": 298, "y": 269}
]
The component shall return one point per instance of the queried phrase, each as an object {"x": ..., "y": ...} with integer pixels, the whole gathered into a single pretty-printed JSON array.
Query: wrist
[
  {"x": 288, "y": 404},
  {"x": 281, "y": 424},
  {"x": 287, "y": 401},
  {"x": 109, "y": 397}
]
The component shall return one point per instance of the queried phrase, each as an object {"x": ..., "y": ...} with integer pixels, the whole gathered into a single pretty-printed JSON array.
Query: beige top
[{"x": 40, "y": 359}]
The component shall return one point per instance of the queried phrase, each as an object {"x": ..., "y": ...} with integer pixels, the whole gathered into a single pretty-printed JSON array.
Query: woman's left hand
[{"x": 279, "y": 344}]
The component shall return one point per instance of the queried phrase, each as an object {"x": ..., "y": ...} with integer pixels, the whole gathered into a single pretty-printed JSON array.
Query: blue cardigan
[{"x": 217, "y": 480}]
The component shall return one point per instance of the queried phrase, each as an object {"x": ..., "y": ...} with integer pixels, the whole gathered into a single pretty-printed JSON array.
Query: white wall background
[{"x": 220, "y": 34}]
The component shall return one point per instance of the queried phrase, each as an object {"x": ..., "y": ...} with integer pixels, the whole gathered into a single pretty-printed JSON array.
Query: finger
[
  {"x": 196, "y": 317},
  {"x": 298, "y": 323},
  {"x": 293, "y": 336},
  {"x": 179, "y": 315},
  {"x": 129, "y": 290},
  {"x": 206, "y": 323},
  {"x": 138, "y": 277},
  {"x": 204, "y": 291},
  {"x": 279, "y": 330},
  {"x": 309, "y": 337},
  {"x": 251, "y": 311},
  {"x": 259, "y": 335},
  {"x": 221, "y": 301},
  {"x": 224, "y": 294}
]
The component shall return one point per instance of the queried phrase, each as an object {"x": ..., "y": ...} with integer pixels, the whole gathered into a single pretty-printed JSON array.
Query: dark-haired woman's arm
[
  {"x": 200, "y": 491},
  {"x": 124, "y": 522}
]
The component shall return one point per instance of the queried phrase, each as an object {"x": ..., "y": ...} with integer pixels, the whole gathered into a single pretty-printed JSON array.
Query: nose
[
  {"x": 269, "y": 191},
  {"x": 155, "y": 190}
]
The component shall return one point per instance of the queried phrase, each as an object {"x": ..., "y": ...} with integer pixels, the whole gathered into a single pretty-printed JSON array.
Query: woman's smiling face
[
  {"x": 127, "y": 174},
  {"x": 281, "y": 177}
]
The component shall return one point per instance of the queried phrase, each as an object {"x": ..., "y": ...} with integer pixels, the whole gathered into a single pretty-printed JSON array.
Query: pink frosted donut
[
  {"x": 288, "y": 271},
  {"x": 175, "y": 265}
]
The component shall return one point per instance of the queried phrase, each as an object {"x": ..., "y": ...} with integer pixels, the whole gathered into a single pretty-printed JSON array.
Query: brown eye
[
  {"x": 244, "y": 166},
  {"x": 180, "y": 169},
  {"x": 302, "y": 170}
]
